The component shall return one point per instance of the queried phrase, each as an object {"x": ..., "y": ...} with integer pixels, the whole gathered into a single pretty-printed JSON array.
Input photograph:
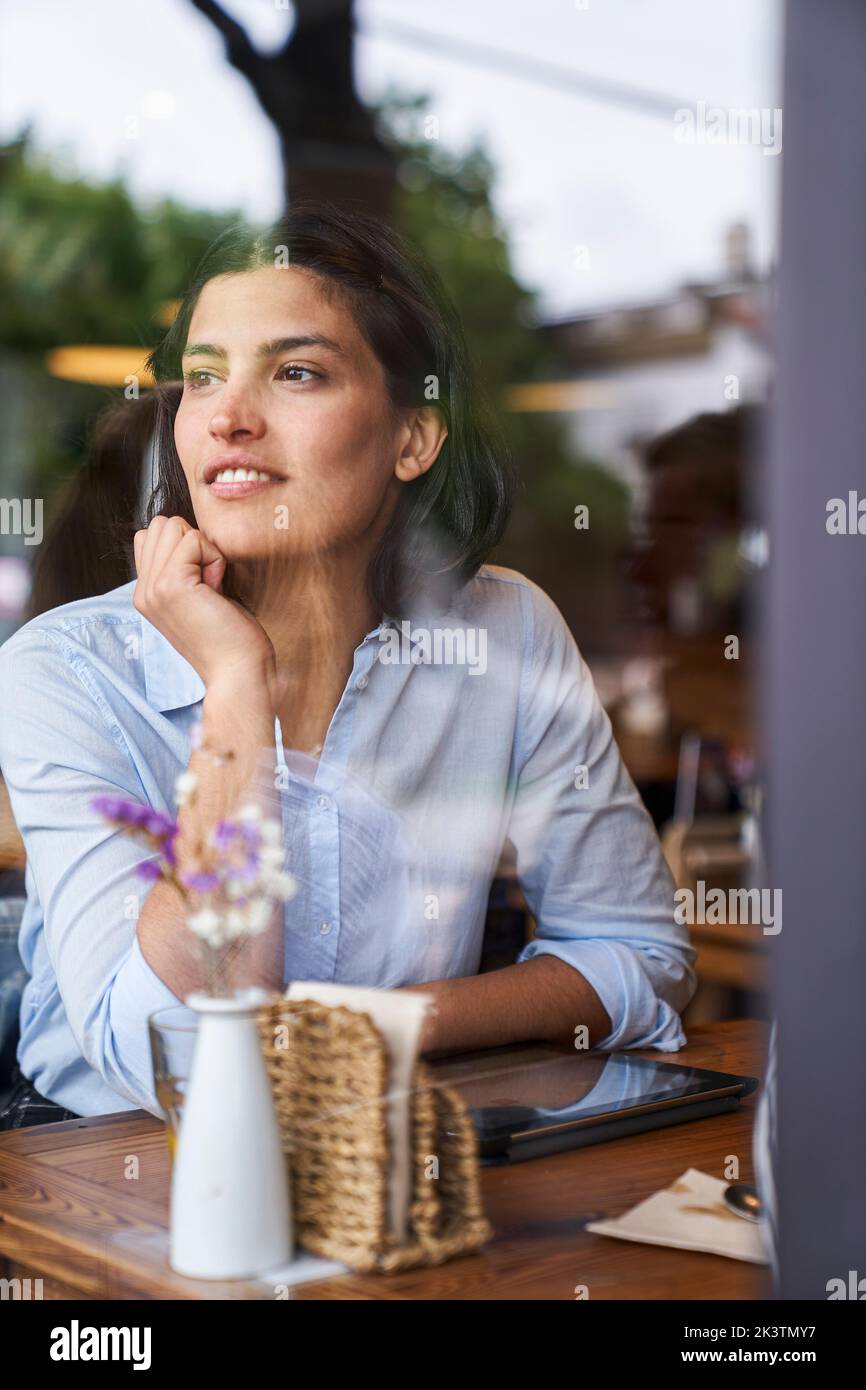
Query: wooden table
[{"x": 84, "y": 1207}]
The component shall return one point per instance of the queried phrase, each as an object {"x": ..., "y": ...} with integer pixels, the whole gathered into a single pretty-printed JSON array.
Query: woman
[{"x": 311, "y": 590}]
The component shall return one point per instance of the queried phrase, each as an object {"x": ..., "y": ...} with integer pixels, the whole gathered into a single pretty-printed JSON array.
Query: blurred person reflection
[
  {"x": 698, "y": 545},
  {"x": 694, "y": 548},
  {"x": 88, "y": 546}
]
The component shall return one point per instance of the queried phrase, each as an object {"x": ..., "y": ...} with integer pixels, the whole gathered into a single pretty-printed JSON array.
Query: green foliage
[
  {"x": 83, "y": 264},
  {"x": 444, "y": 206}
]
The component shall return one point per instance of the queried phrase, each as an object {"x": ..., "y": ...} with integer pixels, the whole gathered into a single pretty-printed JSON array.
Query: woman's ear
[{"x": 427, "y": 434}]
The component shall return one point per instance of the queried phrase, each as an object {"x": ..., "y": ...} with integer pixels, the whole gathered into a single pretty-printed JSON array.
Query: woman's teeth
[{"x": 242, "y": 475}]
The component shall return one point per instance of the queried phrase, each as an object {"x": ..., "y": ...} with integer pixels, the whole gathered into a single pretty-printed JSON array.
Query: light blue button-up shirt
[{"x": 458, "y": 731}]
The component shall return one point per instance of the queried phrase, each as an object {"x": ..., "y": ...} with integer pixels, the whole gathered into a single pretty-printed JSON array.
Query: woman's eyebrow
[{"x": 265, "y": 350}]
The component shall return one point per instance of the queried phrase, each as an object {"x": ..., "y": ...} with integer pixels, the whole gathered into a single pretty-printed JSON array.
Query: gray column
[{"x": 814, "y": 697}]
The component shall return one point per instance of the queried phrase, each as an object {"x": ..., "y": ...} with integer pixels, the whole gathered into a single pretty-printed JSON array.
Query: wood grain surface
[{"x": 84, "y": 1206}]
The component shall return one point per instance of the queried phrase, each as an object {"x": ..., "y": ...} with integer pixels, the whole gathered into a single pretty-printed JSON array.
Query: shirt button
[
  {"x": 362, "y": 682},
  {"x": 323, "y": 803},
  {"x": 325, "y": 928}
]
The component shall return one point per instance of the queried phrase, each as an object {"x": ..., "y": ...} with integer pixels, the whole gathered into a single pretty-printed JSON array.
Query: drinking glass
[{"x": 172, "y": 1032}]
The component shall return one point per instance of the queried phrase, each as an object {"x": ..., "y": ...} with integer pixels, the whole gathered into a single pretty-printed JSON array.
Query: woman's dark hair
[{"x": 459, "y": 508}]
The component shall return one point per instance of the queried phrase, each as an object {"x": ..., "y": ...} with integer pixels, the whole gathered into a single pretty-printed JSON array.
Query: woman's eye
[
  {"x": 193, "y": 378},
  {"x": 296, "y": 367}
]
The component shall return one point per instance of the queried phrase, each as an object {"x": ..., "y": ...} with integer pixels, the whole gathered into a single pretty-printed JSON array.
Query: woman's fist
[{"x": 180, "y": 573}]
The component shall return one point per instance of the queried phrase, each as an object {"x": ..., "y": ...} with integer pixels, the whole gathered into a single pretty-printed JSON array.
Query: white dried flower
[
  {"x": 281, "y": 885},
  {"x": 206, "y": 924},
  {"x": 236, "y": 924},
  {"x": 259, "y": 915},
  {"x": 272, "y": 856},
  {"x": 184, "y": 787},
  {"x": 271, "y": 832}
]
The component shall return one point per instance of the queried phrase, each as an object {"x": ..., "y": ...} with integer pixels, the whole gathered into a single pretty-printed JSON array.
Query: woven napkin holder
[{"x": 329, "y": 1071}]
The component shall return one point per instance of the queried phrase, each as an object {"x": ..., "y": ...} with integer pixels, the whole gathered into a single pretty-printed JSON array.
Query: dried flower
[
  {"x": 185, "y": 787},
  {"x": 149, "y": 869},
  {"x": 234, "y": 882}
]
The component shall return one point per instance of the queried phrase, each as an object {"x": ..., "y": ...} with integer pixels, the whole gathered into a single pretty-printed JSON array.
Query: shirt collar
[
  {"x": 395, "y": 625},
  {"x": 408, "y": 633},
  {"x": 170, "y": 682}
]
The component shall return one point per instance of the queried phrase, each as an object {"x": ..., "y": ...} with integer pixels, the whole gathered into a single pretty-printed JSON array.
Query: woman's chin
[
  {"x": 257, "y": 538},
  {"x": 245, "y": 538}
]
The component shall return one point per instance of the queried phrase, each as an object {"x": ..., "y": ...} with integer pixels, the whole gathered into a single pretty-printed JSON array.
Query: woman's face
[{"x": 280, "y": 381}]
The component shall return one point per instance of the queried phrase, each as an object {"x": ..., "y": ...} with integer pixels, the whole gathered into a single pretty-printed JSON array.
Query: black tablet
[{"x": 536, "y": 1100}]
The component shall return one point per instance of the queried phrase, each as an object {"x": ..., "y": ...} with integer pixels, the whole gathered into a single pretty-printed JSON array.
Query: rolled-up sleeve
[
  {"x": 60, "y": 746},
  {"x": 588, "y": 856}
]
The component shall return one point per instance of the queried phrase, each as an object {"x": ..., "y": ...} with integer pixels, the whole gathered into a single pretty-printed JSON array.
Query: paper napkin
[
  {"x": 689, "y": 1215},
  {"x": 399, "y": 1016}
]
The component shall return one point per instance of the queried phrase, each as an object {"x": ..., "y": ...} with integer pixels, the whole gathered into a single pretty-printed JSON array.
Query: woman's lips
[{"x": 245, "y": 488}]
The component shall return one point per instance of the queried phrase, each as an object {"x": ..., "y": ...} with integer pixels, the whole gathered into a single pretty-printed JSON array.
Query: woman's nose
[{"x": 237, "y": 416}]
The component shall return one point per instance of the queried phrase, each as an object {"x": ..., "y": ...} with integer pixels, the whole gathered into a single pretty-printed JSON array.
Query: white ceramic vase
[{"x": 230, "y": 1200}]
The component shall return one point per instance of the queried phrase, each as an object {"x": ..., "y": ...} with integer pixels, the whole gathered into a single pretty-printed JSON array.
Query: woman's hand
[{"x": 179, "y": 576}]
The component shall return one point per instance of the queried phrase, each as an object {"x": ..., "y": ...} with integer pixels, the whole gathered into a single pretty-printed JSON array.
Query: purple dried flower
[
  {"x": 247, "y": 870},
  {"x": 112, "y": 807},
  {"x": 149, "y": 869},
  {"x": 224, "y": 833},
  {"x": 159, "y": 824},
  {"x": 202, "y": 882},
  {"x": 122, "y": 810}
]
